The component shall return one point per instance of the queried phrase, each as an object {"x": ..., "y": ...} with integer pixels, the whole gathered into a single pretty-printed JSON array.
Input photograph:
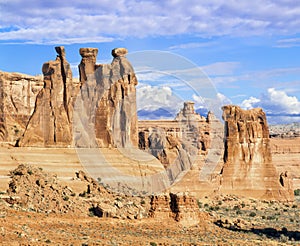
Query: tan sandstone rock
[
  {"x": 106, "y": 105},
  {"x": 17, "y": 97},
  {"x": 51, "y": 122},
  {"x": 181, "y": 207},
  {"x": 248, "y": 168},
  {"x": 3, "y": 131}
]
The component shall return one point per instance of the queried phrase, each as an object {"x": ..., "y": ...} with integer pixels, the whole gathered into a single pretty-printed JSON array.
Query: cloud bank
[
  {"x": 48, "y": 22},
  {"x": 278, "y": 105}
]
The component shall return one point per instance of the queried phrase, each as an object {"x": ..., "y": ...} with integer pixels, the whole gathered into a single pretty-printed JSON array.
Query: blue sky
[{"x": 249, "y": 50}]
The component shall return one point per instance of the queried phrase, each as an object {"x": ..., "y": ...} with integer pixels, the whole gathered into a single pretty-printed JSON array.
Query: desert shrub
[
  {"x": 297, "y": 192},
  {"x": 153, "y": 243},
  {"x": 271, "y": 217},
  {"x": 66, "y": 198},
  {"x": 199, "y": 204},
  {"x": 252, "y": 214},
  {"x": 238, "y": 211},
  {"x": 216, "y": 208}
]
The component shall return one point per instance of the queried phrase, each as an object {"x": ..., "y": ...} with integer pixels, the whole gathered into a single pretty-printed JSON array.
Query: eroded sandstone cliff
[{"x": 17, "y": 101}]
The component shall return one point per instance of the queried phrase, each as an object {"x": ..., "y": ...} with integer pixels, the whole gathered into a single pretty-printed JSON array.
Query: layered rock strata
[
  {"x": 17, "y": 98},
  {"x": 106, "y": 105},
  {"x": 51, "y": 122},
  {"x": 248, "y": 168}
]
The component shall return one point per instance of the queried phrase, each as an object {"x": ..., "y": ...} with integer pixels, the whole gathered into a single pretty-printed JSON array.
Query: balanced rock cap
[
  {"x": 85, "y": 52},
  {"x": 119, "y": 52}
]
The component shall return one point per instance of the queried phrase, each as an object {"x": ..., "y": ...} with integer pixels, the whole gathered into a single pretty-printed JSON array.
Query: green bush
[
  {"x": 297, "y": 192},
  {"x": 199, "y": 204},
  {"x": 252, "y": 214}
]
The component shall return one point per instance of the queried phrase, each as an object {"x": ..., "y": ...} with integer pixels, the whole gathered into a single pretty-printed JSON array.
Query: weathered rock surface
[
  {"x": 286, "y": 157},
  {"x": 3, "y": 132},
  {"x": 190, "y": 147},
  {"x": 33, "y": 189},
  {"x": 17, "y": 98},
  {"x": 181, "y": 207},
  {"x": 248, "y": 168},
  {"x": 36, "y": 190},
  {"x": 106, "y": 106},
  {"x": 51, "y": 122}
]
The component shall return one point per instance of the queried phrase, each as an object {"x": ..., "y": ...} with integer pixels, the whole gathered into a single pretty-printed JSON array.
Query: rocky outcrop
[
  {"x": 180, "y": 207},
  {"x": 248, "y": 168},
  {"x": 51, "y": 122},
  {"x": 33, "y": 189},
  {"x": 106, "y": 106},
  {"x": 18, "y": 95}
]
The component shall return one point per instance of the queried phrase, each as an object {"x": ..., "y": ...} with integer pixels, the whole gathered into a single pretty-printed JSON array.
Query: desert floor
[{"x": 226, "y": 220}]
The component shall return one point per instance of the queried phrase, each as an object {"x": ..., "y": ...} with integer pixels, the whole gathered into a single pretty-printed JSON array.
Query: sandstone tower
[
  {"x": 248, "y": 168},
  {"x": 51, "y": 122},
  {"x": 108, "y": 100}
]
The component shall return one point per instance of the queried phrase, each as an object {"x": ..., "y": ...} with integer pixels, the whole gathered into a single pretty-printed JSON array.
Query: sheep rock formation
[
  {"x": 105, "y": 109},
  {"x": 51, "y": 122},
  {"x": 248, "y": 168}
]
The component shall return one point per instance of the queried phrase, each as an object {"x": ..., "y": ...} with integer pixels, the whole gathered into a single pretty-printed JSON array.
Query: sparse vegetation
[
  {"x": 297, "y": 192},
  {"x": 252, "y": 214}
]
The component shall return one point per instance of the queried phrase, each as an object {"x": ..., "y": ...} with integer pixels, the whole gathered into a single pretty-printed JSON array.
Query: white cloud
[
  {"x": 288, "y": 104},
  {"x": 248, "y": 103},
  {"x": 287, "y": 43},
  {"x": 77, "y": 21},
  {"x": 151, "y": 98},
  {"x": 280, "y": 106},
  {"x": 223, "y": 99},
  {"x": 193, "y": 45},
  {"x": 212, "y": 104}
]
